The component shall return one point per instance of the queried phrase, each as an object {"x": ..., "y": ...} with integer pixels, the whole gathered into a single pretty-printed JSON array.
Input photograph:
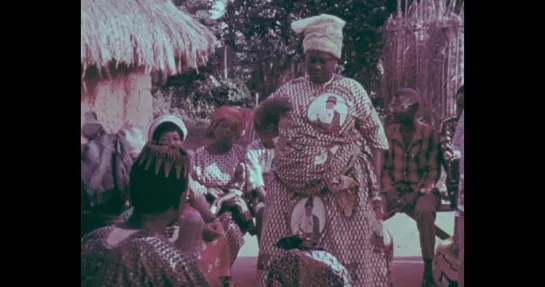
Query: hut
[
  {"x": 424, "y": 50},
  {"x": 122, "y": 42}
]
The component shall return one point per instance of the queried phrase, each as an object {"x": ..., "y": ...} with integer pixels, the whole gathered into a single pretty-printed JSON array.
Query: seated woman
[
  {"x": 137, "y": 252},
  {"x": 220, "y": 169},
  {"x": 196, "y": 221}
]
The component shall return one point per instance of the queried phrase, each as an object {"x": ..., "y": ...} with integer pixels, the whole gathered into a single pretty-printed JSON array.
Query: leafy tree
[{"x": 259, "y": 35}]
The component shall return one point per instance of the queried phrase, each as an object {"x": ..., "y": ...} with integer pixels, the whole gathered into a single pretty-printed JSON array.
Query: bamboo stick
[
  {"x": 457, "y": 83},
  {"x": 225, "y": 60},
  {"x": 448, "y": 95}
]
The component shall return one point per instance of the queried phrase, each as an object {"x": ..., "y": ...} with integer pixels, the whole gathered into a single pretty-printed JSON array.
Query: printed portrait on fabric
[
  {"x": 308, "y": 218},
  {"x": 328, "y": 111}
]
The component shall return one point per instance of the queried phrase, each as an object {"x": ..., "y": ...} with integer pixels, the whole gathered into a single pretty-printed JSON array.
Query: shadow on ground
[
  {"x": 406, "y": 271},
  {"x": 407, "y": 268}
]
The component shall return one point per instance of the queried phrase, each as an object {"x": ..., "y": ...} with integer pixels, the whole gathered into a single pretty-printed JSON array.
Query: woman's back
[{"x": 114, "y": 256}]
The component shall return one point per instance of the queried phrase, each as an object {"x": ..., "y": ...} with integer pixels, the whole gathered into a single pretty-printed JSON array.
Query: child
[{"x": 260, "y": 158}]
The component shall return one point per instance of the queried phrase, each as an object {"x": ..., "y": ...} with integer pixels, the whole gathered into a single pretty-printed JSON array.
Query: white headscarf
[
  {"x": 167, "y": 119},
  {"x": 322, "y": 33},
  {"x": 134, "y": 137}
]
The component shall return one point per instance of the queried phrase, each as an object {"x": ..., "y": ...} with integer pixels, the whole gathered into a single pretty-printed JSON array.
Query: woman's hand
[
  {"x": 211, "y": 231},
  {"x": 171, "y": 231},
  {"x": 218, "y": 202},
  {"x": 260, "y": 192}
]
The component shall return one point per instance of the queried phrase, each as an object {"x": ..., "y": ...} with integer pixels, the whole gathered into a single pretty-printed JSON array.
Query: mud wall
[{"x": 122, "y": 95}]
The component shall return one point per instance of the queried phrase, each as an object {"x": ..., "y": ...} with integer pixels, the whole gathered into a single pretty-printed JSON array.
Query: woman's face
[
  {"x": 171, "y": 138},
  {"x": 320, "y": 66},
  {"x": 226, "y": 130}
]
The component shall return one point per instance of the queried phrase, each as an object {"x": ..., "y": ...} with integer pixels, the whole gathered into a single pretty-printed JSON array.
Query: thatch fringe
[
  {"x": 425, "y": 50},
  {"x": 142, "y": 33}
]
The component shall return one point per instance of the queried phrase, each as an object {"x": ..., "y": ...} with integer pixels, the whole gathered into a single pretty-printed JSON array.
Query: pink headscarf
[{"x": 228, "y": 112}]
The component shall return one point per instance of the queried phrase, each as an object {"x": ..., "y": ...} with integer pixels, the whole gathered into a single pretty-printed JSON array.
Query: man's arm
[
  {"x": 386, "y": 168},
  {"x": 431, "y": 167},
  {"x": 445, "y": 138},
  {"x": 378, "y": 157},
  {"x": 387, "y": 172},
  {"x": 458, "y": 139}
]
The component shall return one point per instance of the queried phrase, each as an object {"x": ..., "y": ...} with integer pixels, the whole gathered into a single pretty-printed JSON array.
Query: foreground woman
[
  {"x": 196, "y": 222},
  {"x": 220, "y": 169},
  {"x": 137, "y": 252},
  {"x": 317, "y": 156}
]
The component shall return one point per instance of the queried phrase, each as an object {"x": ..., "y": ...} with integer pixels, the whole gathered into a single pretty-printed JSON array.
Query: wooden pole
[{"x": 225, "y": 74}]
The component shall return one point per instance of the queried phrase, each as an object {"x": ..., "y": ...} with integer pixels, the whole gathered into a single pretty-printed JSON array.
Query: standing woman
[
  {"x": 220, "y": 168},
  {"x": 321, "y": 158}
]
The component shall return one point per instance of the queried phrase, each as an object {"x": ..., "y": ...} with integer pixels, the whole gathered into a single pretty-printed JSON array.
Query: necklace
[{"x": 326, "y": 83}]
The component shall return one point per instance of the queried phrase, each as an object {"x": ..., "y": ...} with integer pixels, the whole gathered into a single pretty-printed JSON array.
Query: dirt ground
[{"x": 407, "y": 268}]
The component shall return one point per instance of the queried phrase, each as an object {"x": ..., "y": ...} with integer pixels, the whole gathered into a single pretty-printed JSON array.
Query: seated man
[
  {"x": 411, "y": 168},
  {"x": 449, "y": 158}
]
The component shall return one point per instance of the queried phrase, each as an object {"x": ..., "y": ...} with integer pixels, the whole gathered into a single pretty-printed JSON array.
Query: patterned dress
[
  {"x": 218, "y": 171},
  {"x": 141, "y": 259},
  {"x": 313, "y": 159},
  {"x": 213, "y": 256}
]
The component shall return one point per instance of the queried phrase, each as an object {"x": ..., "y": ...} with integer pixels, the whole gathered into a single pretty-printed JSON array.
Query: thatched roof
[{"x": 149, "y": 33}]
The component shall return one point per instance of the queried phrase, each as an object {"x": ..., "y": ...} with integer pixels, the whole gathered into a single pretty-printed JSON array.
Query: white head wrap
[
  {"x": 167, "y": 119},
  {"x": 322, "y": 33},
  {"x": 134, "y": 137}
]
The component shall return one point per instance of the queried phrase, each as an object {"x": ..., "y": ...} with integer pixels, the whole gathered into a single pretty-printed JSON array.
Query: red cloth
[{"x": 214, "y": 260}]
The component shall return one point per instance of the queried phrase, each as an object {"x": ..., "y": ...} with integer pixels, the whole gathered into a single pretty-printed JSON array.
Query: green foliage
[
  {"x": 194, "y": 94},
  {"x": 197, "y": 104},
  {"x": 259, "y": 34},
  {"x": 225, "y": 92},
  {"x": 262, "y": 49},
  {"x": 193, "y": 113}
]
